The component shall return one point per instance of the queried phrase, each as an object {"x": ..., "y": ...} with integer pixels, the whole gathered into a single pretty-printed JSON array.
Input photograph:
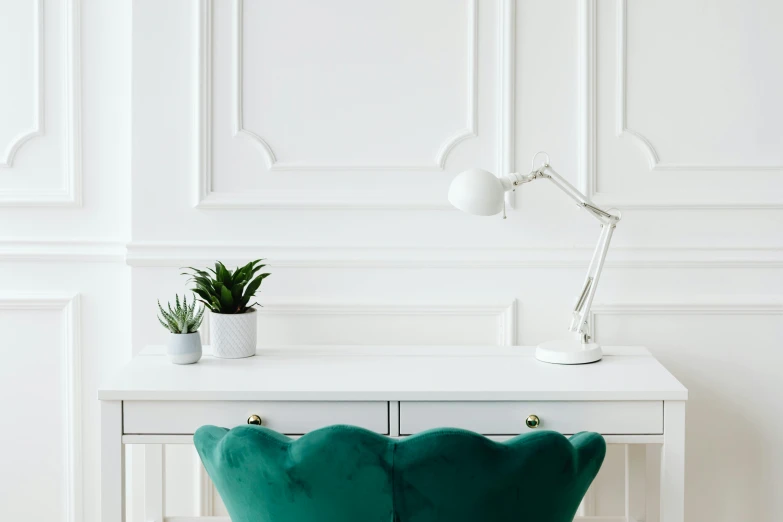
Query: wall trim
[
  {"x": 276, "y": 199},
  {"x": 177, "y": 254},
  {"x": 69, "y": 305},
  {"x": 507, "y": 27},
  {"x": 722, "y": 305},
  {"x": 71, "y": 194},
  {"x": 59, "y": 250},
  {"x": 588, "y": 170},
  {"x": 506, "y": 312},
  {"x": 205, "y": 197},
  {"x": 587, "y": 98},
  {"x": 718, "y": 306},
  {"x": 204, "y": 105},
  {"x": 160, "y": 254}
]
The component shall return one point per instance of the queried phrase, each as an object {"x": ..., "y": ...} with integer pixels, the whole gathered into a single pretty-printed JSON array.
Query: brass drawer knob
[
  {"x": 532, "y": 421},
  {"x": 255, "y": 419}
]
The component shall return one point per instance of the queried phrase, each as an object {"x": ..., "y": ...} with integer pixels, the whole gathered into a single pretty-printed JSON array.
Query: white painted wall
[{"x": 324, "y": 137}]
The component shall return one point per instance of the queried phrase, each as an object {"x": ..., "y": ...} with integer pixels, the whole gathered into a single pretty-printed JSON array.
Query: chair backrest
[{"x": 348, "y": 474}]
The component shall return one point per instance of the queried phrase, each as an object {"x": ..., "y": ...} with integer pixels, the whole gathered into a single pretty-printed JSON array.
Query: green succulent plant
[
  {"x": 226, "y": 291},
  {"x": 182, "y": 319}
]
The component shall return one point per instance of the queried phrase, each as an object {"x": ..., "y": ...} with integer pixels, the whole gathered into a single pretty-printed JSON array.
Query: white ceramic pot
[
  {"x": 233, "y": 336},
  {"x": 184, "y": 348}
]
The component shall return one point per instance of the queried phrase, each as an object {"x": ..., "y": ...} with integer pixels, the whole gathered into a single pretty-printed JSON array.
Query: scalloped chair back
[{"x": 349, "y": 474}]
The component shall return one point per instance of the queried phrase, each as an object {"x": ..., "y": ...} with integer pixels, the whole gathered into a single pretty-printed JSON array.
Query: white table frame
[{"x": 639, "y": 448}]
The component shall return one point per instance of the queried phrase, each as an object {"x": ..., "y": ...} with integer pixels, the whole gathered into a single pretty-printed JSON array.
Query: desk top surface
[{"x": 363, "y": 373}]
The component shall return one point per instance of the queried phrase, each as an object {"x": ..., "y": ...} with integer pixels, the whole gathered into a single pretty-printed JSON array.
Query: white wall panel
[
  {"x": 40, "y": 131},
  {"x": 63, "y": 343},
  {"x": 681, "y": 103},
  {"x": 354, "y": 69},
  {"x": 351, "y": 74},
  {"x": 41, "y": 389}
]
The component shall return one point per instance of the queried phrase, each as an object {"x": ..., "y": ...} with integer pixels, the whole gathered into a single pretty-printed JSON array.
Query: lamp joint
[{"x": 518, "y": 179}]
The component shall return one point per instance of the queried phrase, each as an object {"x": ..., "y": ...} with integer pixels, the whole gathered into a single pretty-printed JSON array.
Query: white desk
[{"x": 628, "y": 397}]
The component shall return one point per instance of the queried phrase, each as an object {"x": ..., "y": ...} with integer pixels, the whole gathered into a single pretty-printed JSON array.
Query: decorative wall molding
[
  {"x": 73, "y": 145},
  {"x": 176, "y": 254},
  {"x": 587, "y": 95},
  {"x": 61, "y": 250},
  {"x": 313, "y": 200},
  {"x": 7, "y": 160},
  {"x": 717, "y": 306},
  {"x": 71, "y": 392},
  {"x": 71, "y": 193},
  {"x": 506, "y": 312},
  {"x": 588, "y": 128},
  {"x": 206, "y": 197},
  {"x": 507, "y": 29},
  {"x": 272, "y": 163},
  {"x": 204, "y": 190},
  {"x": 653, "y": 158},
  {"x": 622, "y": 85}
]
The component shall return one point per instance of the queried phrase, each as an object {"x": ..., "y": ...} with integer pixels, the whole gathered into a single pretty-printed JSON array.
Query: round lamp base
[{"x": 568, "y": 352}]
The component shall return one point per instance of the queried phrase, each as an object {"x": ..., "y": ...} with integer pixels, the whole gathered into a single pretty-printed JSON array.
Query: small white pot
[
  {"x": 233, "y": 336},
  {"x": 184, "y": 348}
]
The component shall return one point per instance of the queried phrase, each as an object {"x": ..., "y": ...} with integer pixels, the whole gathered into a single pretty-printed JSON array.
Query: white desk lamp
[{"x": 480, "y": 192}]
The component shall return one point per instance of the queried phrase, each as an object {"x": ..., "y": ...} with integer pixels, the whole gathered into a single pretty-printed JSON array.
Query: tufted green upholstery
[{"x": 348, "y": 474}]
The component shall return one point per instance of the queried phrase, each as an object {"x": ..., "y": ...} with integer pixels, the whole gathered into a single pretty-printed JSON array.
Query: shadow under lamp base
[{"x": 568, "y": 352}]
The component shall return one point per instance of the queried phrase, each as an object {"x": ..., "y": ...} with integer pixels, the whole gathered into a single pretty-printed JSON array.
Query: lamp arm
[
  {"x": 581, "y": 314},
  {"x": 546, "y": 171}
]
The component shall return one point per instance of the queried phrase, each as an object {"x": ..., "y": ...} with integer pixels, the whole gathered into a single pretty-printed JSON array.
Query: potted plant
[
  {"x": 227, "y": 295},
  {"x": 182, "y": 322}
]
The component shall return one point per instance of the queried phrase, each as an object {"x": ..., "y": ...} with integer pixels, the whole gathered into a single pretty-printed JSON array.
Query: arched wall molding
[
  {"x": 588, "y": 127},
  {"x": 271, "y": 160},
  {"x": 70, "y": 191},
  {"x": 7, "y": 160},
  {"x": 205, "y": 197},
  {"x": 653, "y": 158}
]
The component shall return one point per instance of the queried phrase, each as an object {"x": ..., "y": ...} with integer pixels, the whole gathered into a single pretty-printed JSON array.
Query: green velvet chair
[{"x": 348, "y": 474}]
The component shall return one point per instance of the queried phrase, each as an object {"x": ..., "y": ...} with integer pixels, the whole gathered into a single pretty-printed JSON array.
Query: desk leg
[
  {"x": 154, "y": 482},
  {"x": 673, "y": 462},
  {"x": 112, "y": 463}
]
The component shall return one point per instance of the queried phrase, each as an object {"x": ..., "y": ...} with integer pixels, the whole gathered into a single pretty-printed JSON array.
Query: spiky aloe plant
[
  {"x": 227, "y": 291},
  {"x": 182, "y": 319}
]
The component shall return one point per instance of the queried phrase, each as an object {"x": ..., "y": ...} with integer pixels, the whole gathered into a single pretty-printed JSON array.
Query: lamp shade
[{"x": 478, "y": 192}]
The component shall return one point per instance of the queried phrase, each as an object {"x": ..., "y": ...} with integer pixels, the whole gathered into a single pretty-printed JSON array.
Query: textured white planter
[
  {"x": 233, "y": 336},
  {"x": 184, "y": 348}
]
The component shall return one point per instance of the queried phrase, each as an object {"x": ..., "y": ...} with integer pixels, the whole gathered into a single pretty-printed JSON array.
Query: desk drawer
[
  {"x": 508, "y": 418},
  {"x": 292, "y": 418}
]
